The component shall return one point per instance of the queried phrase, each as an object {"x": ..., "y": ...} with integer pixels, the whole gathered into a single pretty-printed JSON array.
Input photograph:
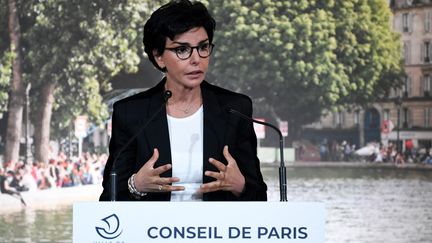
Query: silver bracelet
[{"x": 132, "y": 188}]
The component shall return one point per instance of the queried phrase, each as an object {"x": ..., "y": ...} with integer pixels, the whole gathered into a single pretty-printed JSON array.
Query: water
[
  {"x": 362, "y": 205},
  {"x": 53, "y": 225},
  {"x": 366, "y": 204}
]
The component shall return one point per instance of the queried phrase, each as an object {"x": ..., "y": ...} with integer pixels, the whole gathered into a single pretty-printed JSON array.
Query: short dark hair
[{"x": 172, "y": 19}]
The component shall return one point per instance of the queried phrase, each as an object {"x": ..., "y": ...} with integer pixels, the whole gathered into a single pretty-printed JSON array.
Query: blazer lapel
[
  {"x": 214, "y": 130},
  {"x": 157, "y": 130}
]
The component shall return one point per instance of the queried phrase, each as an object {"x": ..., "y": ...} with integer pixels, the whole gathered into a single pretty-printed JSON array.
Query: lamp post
[{"x": 398, "y": 103}]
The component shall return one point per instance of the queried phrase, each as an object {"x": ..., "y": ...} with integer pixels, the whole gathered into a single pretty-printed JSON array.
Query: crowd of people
[
  {"x": 409, "y": 155},
  {"x": 373, "y": 152},
  {"x": 61, "y": 171},
  {"x": 337, "y": 151}
]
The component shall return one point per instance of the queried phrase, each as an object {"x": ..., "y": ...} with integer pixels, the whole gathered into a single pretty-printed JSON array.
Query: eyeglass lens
[{"x": 184, "y": 52}]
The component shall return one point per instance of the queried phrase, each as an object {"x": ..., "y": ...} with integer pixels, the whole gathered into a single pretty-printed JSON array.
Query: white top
[{"x": 186, "y": 140}]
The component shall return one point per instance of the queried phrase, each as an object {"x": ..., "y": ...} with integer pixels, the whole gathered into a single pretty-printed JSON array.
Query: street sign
[
  {"x": 109, "y": 127},
  {"x": 283, "y": 126},
  {"x": 387, "y": 126},
  {"x": 390, "y": 126},
  {"x": 259, "y": 129},
  {"x": 81, "y": 126}
]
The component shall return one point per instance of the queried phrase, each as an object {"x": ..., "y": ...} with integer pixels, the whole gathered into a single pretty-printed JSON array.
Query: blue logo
[{"x": 110, "y": 232}]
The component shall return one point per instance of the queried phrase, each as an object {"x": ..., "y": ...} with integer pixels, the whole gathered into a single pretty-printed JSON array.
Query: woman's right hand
[{"x": 148, "y": 178}]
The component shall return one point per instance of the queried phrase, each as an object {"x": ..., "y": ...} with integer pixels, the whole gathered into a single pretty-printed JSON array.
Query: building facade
[
  {"x": 413, "y": 20},
  {"x": 413, "y": 102}
]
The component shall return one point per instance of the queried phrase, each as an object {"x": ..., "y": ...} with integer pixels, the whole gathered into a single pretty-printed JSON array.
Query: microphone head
[{"x": 167, "y": 95}]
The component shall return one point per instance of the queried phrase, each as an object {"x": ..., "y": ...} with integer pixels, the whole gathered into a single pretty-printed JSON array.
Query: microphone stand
[{"x": 282, "y": 169}]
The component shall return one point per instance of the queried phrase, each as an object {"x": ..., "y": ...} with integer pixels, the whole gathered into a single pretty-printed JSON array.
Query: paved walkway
[{"x": 47, "y": 199}]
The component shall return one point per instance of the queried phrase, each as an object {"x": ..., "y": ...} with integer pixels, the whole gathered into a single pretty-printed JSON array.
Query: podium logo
[{"x": 110, "y": 231}]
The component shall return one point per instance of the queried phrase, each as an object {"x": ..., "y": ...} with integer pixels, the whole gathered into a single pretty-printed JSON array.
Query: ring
[{"x": 160, "y": 188}]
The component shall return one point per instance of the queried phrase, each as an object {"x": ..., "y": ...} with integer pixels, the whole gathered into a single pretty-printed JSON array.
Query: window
[
  {"x": 426, "y": 85},
  {"x": 406, "y": 89},
  {"x": 396, "y": 92},
  {"x": 406, "y": 117},
  {"x": 338, "y": 119},
  {"x": 427, "y": 21},
  {"x": 357, "y": 117},
  {"x": 386, "y": 114},
  {"x": 426, "y": 52},
  {"x": 427, "y": 116},
  {"x": 407, "y": 22},
  {"x": 407, "y": 52}
]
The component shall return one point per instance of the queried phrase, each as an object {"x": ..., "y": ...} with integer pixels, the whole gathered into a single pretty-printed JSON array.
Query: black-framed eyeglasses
[{"x": 184, "y": 52}]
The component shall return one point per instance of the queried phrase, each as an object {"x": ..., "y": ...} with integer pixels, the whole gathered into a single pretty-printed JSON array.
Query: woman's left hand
[{"x": 229, "y": 177}]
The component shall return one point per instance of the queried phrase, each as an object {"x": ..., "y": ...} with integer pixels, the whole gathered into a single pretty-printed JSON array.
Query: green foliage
[
  {"x": 6, "y": 58},
  {"x": 369, "y": 50},
  {"x": 79, "y": 45},
  {"x": 303, "y": 57},
  {"x": 5, "y": 76}
]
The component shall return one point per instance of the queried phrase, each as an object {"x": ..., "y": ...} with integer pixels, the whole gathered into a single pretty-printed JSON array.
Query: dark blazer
[{"x": 220, "y": 128}]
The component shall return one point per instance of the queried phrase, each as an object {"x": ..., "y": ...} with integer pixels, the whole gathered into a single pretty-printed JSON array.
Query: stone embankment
[{"x": 331, "y": 164}]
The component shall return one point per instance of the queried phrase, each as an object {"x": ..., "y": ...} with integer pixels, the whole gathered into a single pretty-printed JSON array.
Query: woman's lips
[{"x": 194, "y": 74}]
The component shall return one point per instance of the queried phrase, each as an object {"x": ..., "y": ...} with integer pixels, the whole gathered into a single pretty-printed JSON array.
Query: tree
[
  {"x": 299, "y": 58},
  {"x": 368, "y": 49},
  {"x": 72, "y": 49},
  {"x": 89, "y": 43},
  {"x": 17, "y": 86}
]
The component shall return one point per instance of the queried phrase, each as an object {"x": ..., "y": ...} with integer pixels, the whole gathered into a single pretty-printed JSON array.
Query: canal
[{"x": 363, "y": 205}]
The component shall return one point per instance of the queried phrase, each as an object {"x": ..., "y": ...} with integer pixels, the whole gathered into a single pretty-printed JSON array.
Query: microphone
[
  {"x": 113, "y": 175},
  {"x": 282, "y": 169}
]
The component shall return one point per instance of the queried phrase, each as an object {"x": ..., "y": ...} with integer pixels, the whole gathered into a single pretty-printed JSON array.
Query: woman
[{"x": 192, "y": 149}]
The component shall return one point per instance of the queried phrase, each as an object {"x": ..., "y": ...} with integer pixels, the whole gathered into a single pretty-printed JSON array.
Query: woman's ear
[{"x": 159, "y": 60}]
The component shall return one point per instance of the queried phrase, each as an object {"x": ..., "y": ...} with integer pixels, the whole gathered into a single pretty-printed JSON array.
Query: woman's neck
[
  {"x": 184, "y": 102},
  {"x": 183, "y": 94}
]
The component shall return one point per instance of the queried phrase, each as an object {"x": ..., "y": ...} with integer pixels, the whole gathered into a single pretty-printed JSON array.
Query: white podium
[{"x": 127, "y": 222}]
